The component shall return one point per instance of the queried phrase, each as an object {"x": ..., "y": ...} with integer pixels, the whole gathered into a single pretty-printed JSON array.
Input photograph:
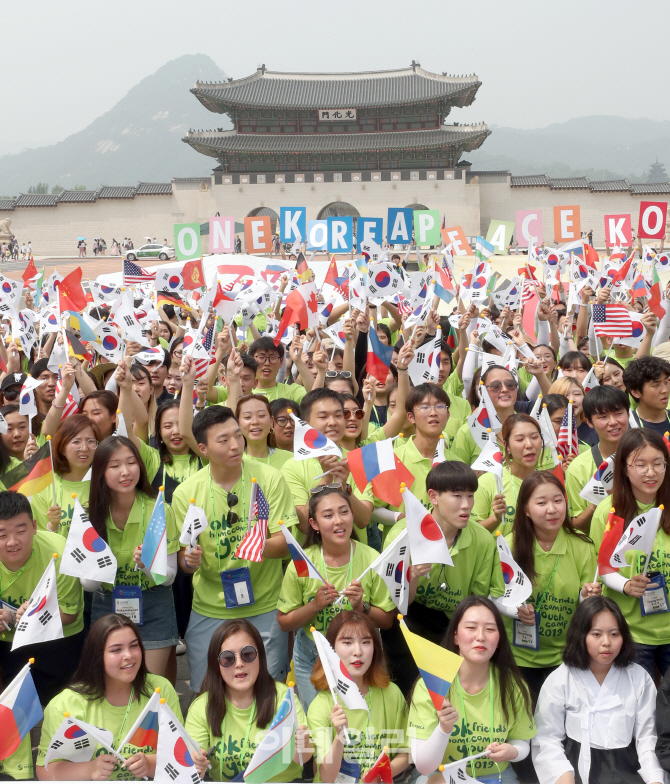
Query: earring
[{"x": 272, "y": 430}]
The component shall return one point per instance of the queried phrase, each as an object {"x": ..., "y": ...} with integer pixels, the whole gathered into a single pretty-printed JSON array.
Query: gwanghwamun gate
[{"x": 350, "y": 144}]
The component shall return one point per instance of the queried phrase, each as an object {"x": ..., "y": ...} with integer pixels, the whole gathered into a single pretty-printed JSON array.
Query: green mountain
[{"x": 139, "y": 139}]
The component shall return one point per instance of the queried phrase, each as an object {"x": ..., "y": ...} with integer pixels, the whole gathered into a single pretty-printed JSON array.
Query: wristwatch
[{"x": 366, "y": 608}]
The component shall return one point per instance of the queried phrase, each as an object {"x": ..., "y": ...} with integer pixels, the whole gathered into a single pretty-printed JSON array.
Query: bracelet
[
  {"x": 55, "y": 406},
  {"x": 403, "y": 372}
]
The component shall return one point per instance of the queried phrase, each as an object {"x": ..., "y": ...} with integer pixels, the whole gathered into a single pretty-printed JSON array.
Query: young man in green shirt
[
  {"x": 435, "y": 590},
  {"x": 269, "y": 358},
  {"x": 25, "y": 553},
  {"x": 648, "y": 382},
  {"x": 606, "y": 410},
  {"x": 224, "y": 586}
]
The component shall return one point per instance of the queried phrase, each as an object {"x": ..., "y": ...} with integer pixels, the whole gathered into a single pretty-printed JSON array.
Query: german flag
[
  {"x": 167, "y": 298},
  {"x": 301, "y": 268},
  {"x": 31, "y": 476},
  {"x": 77, "y": 348}
]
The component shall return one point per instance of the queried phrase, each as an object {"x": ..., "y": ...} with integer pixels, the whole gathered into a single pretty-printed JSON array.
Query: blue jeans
[
  {"x": 304, "y": 659},
  {"x": 649, "y": 655}
]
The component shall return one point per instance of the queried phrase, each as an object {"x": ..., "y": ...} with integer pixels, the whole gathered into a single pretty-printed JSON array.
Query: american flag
[
  {"x": 71, "y": 405},
  {"x": 132, "y": 273},
  {"x": 612, "y": 321},
  {"x": 568, "y": 443},
  {"x": 528, "y": 290},
  {"x": 404, "y": 305},
  {"x": 252, "y": 546}
]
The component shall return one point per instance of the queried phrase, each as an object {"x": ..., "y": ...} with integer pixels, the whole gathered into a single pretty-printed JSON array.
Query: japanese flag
[
  {"x": 340, "y": 682},
  {"x": 86, "y": 554},
  {"x": 426, "y": 540},
  {"x": 308, "y": 442},
  {"x": 41, "y": 621},
  {"x": 174, "y": 762},
  {"x": 195, "y": 523}
]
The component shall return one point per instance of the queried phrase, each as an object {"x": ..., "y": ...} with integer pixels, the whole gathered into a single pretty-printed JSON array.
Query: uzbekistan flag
[
  {"x": 20, "y": 710},
  {"x": 303, "y": 566},
  {"x": 379, "y": 357},
  {"x": 31, "y": 476},
  {"x": 275, "y": 752},
  {"x": 437, "y": 666}
]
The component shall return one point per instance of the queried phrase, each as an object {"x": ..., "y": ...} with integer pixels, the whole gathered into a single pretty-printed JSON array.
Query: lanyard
[
  {"x": 125, "y": 718},
  {"x": 239, "y": 518},
  {"x": 325, "y": 568},
  {"x": 139, "y": 573},
  {"x": 271, "y": 451},
  {"x": 638, "y": 419},
  {"x": 540, "y": 601},
  {"x": 465, "y": 719},
  {"x": 18, "y": 574},
  {"x": 252, "y": 716}
]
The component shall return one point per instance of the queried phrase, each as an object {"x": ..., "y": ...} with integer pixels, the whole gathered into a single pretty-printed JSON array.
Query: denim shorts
[{"x": 159, "y": 629}]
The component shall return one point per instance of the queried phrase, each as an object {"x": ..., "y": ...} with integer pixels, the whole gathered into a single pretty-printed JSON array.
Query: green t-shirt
[
  {"x": 183, "y": 466},
  {"x": 301, "y": 476},
  {"x": 487, "y": 489},
  {"x": 476, "y": 570},
  {"x": 235, "y": 757},
  {"x": 275, "y": 459},
  {"x": 472, "y": 732},
  {"x": 64, "y": 490},
  {"x": 459, "y": 411},
  {"x": 101, "y": 714},
  {"x": 577, "y": 476},
  {"x": 652, "y": 629},
  {"x": 266, "y": 577},
  {"x": 124, "y": 541},
  {"x": 294, "y": 392},
  {"x": 577, "y": 565},
  {"x": 297, "y": 591},
  {"x": 221, "y": 394},
  {"x": 20, "y": 764},
  {"x": 384, "y": 725},
  {"x": 17, "y": 587},
  {"x": 454, "y": 385},
  {"x": 375, "y": 434}
]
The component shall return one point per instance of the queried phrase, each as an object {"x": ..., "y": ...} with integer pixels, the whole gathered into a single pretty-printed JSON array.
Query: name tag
[
  {"x": 349, "y": 773},
  {"x": 527, "y": 636},
  {"x": 237, "y": 590},
  {"x": 655, "y": 599},
  {"x": 128, "y": 601}
]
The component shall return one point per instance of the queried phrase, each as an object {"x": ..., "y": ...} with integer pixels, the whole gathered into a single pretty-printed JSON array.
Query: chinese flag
[
  {"x": 613, "y": 532},
  {"x": 193, "y": 274},
  {"x": 591, "y": 256},
  {"x": 70, "y": 292},
  {"x": 30, "y": 271}
]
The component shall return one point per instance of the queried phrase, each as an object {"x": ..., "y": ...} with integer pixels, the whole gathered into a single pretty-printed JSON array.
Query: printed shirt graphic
[
  {"x": 577, "y": 566},
  {"x": 474, "y": 735},
  {"x": 17, "y": 590},
  {"x": 652, "y": 629},
  {"x": 20, "y": 764},
  {"x": 297, "y": 591},
  {"x": 476, "y": 570},
  {"x": 230, "y": 746},
  {"x": 386, "y": 724},
  {"x": 100, "y": 713},
  {"x": 266, "y": 577}
]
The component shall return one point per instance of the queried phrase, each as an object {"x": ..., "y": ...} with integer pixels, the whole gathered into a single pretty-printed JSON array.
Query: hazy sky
[{"x": 66, "y": 63}]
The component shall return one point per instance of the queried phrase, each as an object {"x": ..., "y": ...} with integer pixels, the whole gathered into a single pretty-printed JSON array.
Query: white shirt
[{"x": 572, "y": 703}]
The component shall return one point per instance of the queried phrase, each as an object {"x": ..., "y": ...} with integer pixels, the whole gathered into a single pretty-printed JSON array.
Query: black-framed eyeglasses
[
  {"x": 338, "y": 374},
  {"x": 248, "y": 654},
  {"x": 496, "y": 386},
  {"x": 357, "y": 412},
  {"x": 272, "y": 359},
  {"x": 232, "y": 517},
  {"x": 282, "y": 421}
]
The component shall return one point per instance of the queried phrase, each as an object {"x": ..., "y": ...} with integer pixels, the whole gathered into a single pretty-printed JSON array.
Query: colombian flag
[
  {"x": 147, "y": 733},
  {"x": 437, "y": 666},
  {"x": 31, "y": 476}
]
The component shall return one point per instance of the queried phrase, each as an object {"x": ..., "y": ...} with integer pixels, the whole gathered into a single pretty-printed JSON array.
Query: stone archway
[
  {"x": 338, "y": 209},
  {"x": 261, "y": 212}
]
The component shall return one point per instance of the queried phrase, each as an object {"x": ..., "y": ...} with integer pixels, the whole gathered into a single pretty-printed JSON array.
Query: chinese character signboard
[{"x": 335, "y": 115}]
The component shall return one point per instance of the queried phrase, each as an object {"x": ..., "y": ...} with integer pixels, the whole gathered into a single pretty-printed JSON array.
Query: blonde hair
[{"x": 562, "y": 386}]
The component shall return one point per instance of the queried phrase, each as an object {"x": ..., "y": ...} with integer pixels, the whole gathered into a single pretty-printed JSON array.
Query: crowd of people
[{"x": 571, "y": 686}]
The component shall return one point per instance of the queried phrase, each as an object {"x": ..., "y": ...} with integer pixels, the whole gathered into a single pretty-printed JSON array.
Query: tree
[
  {"x": 79, "y": 188},
  {"x": 57, "y": 189},
  {"x": 41, "y": 187}
]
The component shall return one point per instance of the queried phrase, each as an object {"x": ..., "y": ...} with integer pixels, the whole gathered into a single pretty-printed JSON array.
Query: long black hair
[
  {"x": 313, "y": 536},
  {"x": 265, "y": 689},
  {"x": 163, "y": 451},
  {"x": 100, "y": 500},
  {"x": 508, "y": 674}
]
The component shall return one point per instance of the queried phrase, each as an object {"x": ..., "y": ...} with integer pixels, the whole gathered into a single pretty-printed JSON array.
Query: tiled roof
[
  {"x": 7, "y": 204},
  {"x": 38, "y": 200},
  {"x": 610, "y": 185},
  {"x": 117, "y": 192},
  {"x": 530, "y": 180},
  {"x": 78, "y": 196},
  {"x": 191, "y": 179},
  {"x": 569, "y": 182},
  {"x": 215, "y": 142},
  {"x": 154, "y": 189},
  {"x": 651, "y": 187},
  {"x": 277, "y": 90}
]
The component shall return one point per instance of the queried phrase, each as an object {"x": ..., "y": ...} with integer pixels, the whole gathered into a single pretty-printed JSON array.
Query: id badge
[
  {"x": 349, "y": 773},
  {"x": 527, "y": 636},
  {"x": 655, "y": 598},
  {"x": 127, "y": 601},
  {"x": 237, "y": 590}
]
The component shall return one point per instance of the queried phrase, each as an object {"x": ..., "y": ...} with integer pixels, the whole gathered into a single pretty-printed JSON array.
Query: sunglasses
[
  {"x": 496, "y": 386},
  {"x": 357, "y": 412},
  {"x": 338, "y": 374},
  {"x": 11, "y": 394},
  {"x": 320, "y": 488},
  {"x": 248, "y": 654},
  {"x": 232, "y": 518}
]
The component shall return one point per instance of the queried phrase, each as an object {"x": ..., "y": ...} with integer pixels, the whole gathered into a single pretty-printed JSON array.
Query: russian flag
[
  {"x": 369, "y": 461},
  {"x": 379, "y": 357},
  {"x": 303, "y": 566},
  {"x": 20, "y": 710}
]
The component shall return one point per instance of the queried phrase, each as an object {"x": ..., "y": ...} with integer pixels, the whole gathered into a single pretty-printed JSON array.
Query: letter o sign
[
  {"x": 653, "y": 216},
  {"x": 187, "y": 241}
]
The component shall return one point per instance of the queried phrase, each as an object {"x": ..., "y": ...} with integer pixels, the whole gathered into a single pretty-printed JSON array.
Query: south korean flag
[
  {"x": 195, "y": 523},
  {"x": 109, "y": 345},
  {"x": 308, "y": 442},
  {"x": 76, "y": 741},
  {"x": 393, "y": 567},
  {"x": 174, "y": 755},
  {"x": 383, "y": 281},
  {"x": 87, "y": 555},
  {"x": 340, "y": 682},
  {"x": 600, "y": 484},
  {"x": 41, "y": 621},
  {"x": 425, "y": 365}
]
